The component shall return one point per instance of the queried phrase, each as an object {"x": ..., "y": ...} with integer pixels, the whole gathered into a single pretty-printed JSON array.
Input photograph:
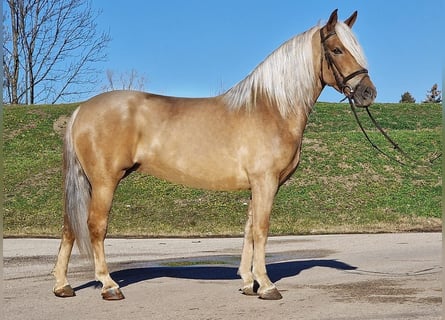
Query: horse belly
[{"x": 195, "y": 169}]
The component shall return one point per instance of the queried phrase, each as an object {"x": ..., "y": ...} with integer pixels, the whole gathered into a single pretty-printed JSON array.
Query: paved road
[{"x": 385, "y": 276}]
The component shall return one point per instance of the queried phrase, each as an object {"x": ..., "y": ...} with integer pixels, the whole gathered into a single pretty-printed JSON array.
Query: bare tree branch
[
  {"x": 131, "y": 80},
  {"x": 50, "y": 50}
]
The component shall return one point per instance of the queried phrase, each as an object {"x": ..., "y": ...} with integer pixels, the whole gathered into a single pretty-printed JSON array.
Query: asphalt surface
[{"x": 384, "y": 276}]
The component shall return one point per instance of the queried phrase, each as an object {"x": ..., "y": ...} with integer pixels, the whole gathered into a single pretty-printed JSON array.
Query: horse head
[{"x": 343, "y": 64}]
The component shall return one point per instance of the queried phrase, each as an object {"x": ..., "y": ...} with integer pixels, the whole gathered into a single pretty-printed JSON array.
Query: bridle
[
  {"x": 348, "y": 91},
  {"x": 340, "y": 79}
]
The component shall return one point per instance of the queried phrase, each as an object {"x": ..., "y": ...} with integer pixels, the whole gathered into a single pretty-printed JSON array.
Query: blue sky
[{"x": 199, "y": 48}]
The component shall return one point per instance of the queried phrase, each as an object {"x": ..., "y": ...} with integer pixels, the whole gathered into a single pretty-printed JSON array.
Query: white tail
[{"x": 77, "y": 191}]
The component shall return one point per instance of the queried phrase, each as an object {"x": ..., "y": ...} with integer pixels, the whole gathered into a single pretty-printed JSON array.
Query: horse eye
[{"x": 337, "y": 51}]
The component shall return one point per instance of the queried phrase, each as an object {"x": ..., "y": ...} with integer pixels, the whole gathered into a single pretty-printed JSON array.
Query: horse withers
[{"x": 250, "y": 137}]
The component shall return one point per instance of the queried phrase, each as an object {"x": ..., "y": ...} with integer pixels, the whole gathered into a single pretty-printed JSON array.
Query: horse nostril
[{"x": 368, "y": 93}]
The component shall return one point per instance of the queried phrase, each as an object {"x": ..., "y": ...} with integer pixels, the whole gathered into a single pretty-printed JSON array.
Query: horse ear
[
  {"x": 351, "y": 20},
  {"x": 332, "y": 21}
]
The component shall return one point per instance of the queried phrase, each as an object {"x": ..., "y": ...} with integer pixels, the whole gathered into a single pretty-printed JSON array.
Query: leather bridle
[
  {"x": 348, "y": 91},
  {"x": 340, "y": 79}
]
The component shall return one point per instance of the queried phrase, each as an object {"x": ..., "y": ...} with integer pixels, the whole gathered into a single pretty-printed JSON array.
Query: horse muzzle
[{"x": 364, "y": 93}]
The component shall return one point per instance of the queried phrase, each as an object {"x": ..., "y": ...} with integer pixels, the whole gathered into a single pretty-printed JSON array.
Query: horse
[{"x": 247, "y": 138}]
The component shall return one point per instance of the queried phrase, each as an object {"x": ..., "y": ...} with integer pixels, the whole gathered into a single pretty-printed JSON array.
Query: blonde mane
[{"x": 287, "y": 76}]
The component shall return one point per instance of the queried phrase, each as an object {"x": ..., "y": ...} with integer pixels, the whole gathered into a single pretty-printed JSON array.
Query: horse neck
[
  {"x": 317, "y": 52},
  {"x": 292, "y": 125}
]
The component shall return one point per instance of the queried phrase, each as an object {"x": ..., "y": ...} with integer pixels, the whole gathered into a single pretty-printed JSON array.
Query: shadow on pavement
[{"x": 276, "y": 272}]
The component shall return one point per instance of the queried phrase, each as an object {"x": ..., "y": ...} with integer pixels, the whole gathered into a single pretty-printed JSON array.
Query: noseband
[{"x": 340, "y": 79}]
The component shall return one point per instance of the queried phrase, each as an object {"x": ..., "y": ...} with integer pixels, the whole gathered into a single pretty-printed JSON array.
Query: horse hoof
[
  {"x": 113, "y": 294},
  {"x": 251, "y": 290},
  {"x": 271, "y": 294},
  {"x": 248, "y": 291},
  {"x": 64, "y": 292}
]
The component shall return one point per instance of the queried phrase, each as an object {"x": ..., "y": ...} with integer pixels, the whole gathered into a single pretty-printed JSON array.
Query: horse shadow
[{"x": 276, "y": 272}]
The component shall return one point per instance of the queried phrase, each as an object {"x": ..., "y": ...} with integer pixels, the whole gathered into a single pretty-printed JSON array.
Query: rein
[
  {"x": 388, "y": 138},
  {"x": 348, "y": 91}
]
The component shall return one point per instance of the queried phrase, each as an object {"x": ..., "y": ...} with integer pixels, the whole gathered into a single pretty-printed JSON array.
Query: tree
[
  {"x": 433, "y": 95},
  {"x": 407, "y": 98},
  {"x": 49, "y": 50},
  {"x": 125, "y": 81}
]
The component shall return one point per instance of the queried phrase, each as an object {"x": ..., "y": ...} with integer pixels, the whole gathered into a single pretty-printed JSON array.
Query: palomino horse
[{"x": 247, "y": 138}]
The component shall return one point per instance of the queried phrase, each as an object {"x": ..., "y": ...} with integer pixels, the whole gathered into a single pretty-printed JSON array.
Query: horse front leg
[
  {"x": 245, "y": 268},
  {"x": 263, "y": 194},
  {"x": 101, "y": 199}
]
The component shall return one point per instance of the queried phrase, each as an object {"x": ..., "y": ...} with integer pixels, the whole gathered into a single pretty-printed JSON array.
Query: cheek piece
[{"x": 340, "y": 79}]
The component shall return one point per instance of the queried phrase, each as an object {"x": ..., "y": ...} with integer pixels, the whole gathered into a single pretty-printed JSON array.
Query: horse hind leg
[
  {"x": 101, "y": 199},
  {"x": 62, "y": 287}
]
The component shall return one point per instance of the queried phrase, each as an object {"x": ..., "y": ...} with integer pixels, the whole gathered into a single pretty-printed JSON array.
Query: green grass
[{"x": 342, "y": 184}]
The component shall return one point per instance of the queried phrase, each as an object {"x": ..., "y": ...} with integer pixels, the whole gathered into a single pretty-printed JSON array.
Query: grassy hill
[{"x": 342, "y": 184}]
